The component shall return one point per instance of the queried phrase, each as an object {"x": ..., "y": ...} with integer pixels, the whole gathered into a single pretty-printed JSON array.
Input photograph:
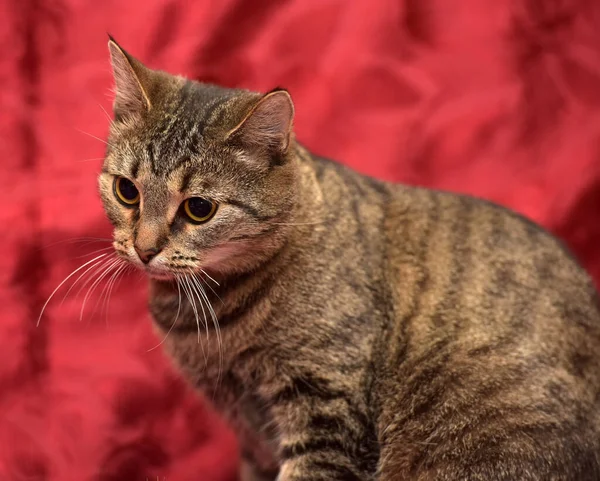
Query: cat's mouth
[{"x": 158, "y": 274}]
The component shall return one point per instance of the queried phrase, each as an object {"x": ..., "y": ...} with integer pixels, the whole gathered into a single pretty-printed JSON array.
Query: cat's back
[
  {"x": 451, "y": 253},
  {"x": 494, "y": 341},
  {"x": 479, "y": 275},
  {"x": 480, "y": 260}
]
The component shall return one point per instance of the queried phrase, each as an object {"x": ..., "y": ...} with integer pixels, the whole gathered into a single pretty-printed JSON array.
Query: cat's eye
[
  {"x": 199, "y": 210},
  {"x": 126, "y": 192}
]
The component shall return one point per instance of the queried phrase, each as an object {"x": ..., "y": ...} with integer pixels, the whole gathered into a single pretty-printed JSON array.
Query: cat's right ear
[
  {"x": 131, "y": 79},
  {"x": 268, "y": 124}
]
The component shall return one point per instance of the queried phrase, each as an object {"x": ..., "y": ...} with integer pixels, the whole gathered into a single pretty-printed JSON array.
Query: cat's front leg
[{"x": 321, "y": 442}]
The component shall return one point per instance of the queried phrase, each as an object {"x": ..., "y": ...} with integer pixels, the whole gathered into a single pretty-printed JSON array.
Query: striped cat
[{"x": 348, "y": 329}]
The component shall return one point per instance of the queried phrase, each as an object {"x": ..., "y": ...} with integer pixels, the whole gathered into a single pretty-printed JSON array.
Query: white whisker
[
  {"x": 110, "y": 120},
  {"x": 192, "y": 303},
  {"x": 95, "y": 252},
  {"x": 65, "y": 280},
  {"x": 297, "y": 223},
  {"x": 103, "y": 271},
  {"x": 95, "y": 159},
  {"x": 92, "y": 288},
  {"x": 93, "y": 136},
  {"x": 174, "y": 320},
  {"x": 193, "y": 282},
  {"x": 205, "y": 273},
  {"x": 210, "y": 287},
  {"x": 100, "y": 262},
  {"x": 97, "y": 268},
  {"x": 216, "y": 325},
  {"x": 107, "y": 290},
  {"x": 188, "y": 291},
  {"x": 83, "y": 240},
  {"x": 203, "y": 293}
]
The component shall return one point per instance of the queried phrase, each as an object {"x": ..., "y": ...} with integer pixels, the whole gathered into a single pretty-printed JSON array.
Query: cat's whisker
[
  {"x": 216, "y": 325},
  {"x": 107, "y": 290},
  {"x": 209, "y": 286},
  {"x": 203, "y": 295},
  {"x": 93, "y": 136},
  {"x": 198, "y": 281},
  {"x": 193, "y": 284},
  {"x": 206, "y": 274},
  {"x": 83, "y": 240},
  {"x": 176, "y": 315},
  {"x": 62, "y": 283},
  {"x": 195, "y": 293},
  {"x": 95, "y": 279},
  {"x": 192, "y": 301},
  {"x": 297, "y": 223},
  {"x": 95, "y": 252},
  {"x": 95, "y": 265},
  {"x": 103, "y": 293},
  {"x": 97, "y": 268},
  {"x": 92, "y": 288},
  {"x": 109, "y": 118},
  {"x": 95, "y": 159},
  {"x": 113, "y": 283}
]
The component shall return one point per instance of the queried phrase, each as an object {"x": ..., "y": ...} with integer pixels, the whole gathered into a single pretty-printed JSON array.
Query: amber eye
[
  {"x": 126, "y": 192},
  {"x": 199, "y": 210}
]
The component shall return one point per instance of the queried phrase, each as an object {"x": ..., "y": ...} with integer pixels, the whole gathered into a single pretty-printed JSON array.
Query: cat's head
[{"x": 196, "y": 176}]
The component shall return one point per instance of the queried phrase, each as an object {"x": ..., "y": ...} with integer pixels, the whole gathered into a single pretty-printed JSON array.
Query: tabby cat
[{"x": 347, "y": 328}]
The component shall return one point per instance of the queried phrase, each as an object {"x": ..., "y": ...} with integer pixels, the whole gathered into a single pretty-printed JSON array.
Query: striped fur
[{"x": 368, "y": 331}]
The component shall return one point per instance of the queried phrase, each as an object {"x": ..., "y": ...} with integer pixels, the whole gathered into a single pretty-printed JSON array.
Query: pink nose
[{"x": 147, "y": 254}]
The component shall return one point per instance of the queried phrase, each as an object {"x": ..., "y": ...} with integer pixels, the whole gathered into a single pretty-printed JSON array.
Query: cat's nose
[{"x": 146, "y": 255}]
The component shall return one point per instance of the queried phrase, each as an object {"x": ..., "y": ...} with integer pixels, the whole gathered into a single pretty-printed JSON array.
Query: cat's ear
[
  {"x": 268, "y": 124},
  {"x": 130, "y": 76}
]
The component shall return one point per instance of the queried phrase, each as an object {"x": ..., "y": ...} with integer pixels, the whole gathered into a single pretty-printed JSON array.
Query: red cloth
[{"x": 498, "y": 98}]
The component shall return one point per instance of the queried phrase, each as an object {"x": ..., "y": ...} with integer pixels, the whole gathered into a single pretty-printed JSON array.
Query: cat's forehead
[{"x": 177, "y": 130}]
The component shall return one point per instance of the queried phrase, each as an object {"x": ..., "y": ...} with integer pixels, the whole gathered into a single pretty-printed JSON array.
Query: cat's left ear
[
  {"x": 132, "y": 81},
  {"x": 268, "y": 124}
]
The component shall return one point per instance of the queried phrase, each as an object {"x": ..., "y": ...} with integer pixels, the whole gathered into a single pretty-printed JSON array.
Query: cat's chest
[{"x": 245, "y": 411}]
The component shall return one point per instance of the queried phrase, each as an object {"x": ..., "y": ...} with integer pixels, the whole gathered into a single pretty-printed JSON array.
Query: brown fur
[{"x": 368, "y": 331}]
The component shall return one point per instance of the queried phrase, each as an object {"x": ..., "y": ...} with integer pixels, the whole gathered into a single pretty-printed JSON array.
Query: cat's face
[{"x": 195, "y": 176}]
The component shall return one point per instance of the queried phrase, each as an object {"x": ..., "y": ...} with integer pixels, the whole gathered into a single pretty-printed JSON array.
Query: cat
[{"x": 347, "y": 328}]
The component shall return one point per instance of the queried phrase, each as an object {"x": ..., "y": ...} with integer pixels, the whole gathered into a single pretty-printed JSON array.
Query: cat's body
[{"x": 368, "y": 331}]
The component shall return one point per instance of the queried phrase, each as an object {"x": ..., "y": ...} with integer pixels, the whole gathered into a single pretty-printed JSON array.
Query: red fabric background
[{"x": 497, "y": 98}]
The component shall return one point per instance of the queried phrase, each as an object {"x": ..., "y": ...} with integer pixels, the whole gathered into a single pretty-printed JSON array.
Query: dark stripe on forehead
[
  {"x": 185, "y": 181},
  {"x": 168, "y": 142},
  {"x": 150, "y": 153},
  {"x": 177, "y": 116},
  {"x": 193, "y": 110},
  {"x": 210, "y": 104},
  {"x": 196, "y": 117},
  {"x": 135, "y": 167},
  {"x": 196, "y": 107},
  {"x": 217, "y": 113},
  {"x": 209, "y": 111}
]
